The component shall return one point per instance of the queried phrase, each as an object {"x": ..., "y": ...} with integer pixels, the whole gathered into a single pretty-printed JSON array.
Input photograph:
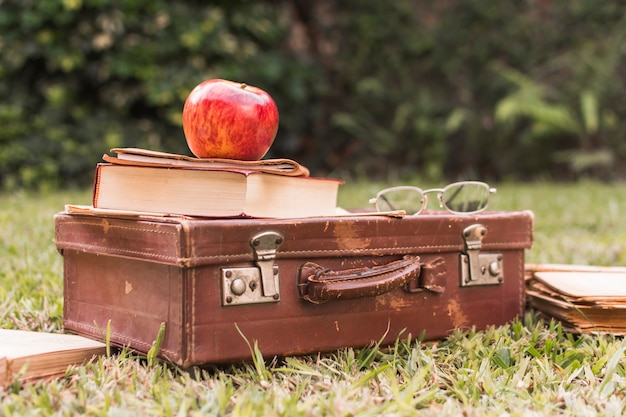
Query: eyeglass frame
[{"x": 440, "y": 192}]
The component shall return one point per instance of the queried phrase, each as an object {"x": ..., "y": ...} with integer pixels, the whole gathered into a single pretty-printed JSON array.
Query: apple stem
[{"x": 243, "y": 86}]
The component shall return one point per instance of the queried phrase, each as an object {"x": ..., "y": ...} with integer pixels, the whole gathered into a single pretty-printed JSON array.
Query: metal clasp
[
  {"x": 479, "y": 268},
  {"x": 260, "y": 284},
  {"x": 264, "y": 246}
]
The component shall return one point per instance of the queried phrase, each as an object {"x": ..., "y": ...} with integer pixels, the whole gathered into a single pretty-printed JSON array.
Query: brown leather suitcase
[{"x": 294, "y": 286}]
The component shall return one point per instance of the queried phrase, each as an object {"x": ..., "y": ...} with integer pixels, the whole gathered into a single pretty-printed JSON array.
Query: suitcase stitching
[
  {"x": 152, "y": 230},
  {"x": 522, "y": 283},
  {"x": 94, "y": 331},
  {"x": 247, "y": 255},
  {"x": 140, "y": 229},
  {"x": 190, "y": 322},
  {"x": 355, "y": 252},
  {"x": 183, "y": 261},
  {"x": 124, "y": 251},
  {"x": 498, "y": 245}
]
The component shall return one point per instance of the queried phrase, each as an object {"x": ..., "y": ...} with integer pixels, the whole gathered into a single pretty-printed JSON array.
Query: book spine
[{"x": 95, "y": 195}]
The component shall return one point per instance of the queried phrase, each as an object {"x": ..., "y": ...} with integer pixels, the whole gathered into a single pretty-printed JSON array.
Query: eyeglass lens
[
  {"x": 466, "y": 198},
  {"x": 408, "y": 199}
]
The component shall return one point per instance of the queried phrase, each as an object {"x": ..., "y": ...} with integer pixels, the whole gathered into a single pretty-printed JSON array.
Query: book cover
[
  {"x": 212, "y": 192},
  {"x": 145, "y": 157}
]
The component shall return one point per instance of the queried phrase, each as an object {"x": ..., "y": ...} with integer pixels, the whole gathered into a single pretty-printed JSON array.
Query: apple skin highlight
[{"x": 231, "y": 120}]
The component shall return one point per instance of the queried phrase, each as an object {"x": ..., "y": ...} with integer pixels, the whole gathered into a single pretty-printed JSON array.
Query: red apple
[{"x": 225, "y": 119}]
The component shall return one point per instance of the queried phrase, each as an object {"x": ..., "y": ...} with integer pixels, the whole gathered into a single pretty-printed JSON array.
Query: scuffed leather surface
[{"x": 140, "y": 273}]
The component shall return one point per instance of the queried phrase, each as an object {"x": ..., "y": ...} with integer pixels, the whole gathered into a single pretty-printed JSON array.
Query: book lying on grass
[
  {"x": 145, "y": 157},
  {"x": 213, "y": 192},
  {"x": 586, "y": 299},
  {"x": 33, "y": 355}
]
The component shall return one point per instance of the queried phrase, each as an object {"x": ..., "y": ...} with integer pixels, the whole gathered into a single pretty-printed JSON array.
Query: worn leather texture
[{"x": 139, "y": 273}]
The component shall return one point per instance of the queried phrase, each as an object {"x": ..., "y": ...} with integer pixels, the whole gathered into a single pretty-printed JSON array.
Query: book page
[
  {"x": 170, "y": 191},
  {"x": 586, "y": 284},
  {"x": 32, "y": 355},
  {"x": 4, "y": 370},
  {"x": 18, "y": 343}
]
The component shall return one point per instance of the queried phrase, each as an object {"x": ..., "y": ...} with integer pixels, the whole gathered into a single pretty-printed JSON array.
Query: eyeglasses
[{"x": 463, "y": 197}]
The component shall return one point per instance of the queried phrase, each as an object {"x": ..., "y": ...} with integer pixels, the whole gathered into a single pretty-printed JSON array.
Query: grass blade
[{"x": 154, "y": 350}]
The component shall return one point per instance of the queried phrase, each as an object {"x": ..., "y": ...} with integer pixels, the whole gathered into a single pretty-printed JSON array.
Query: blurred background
[{"x": 367, "y": 89}]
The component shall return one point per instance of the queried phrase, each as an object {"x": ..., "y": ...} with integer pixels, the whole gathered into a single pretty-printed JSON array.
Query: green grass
[{"x": 527, "y": 368}]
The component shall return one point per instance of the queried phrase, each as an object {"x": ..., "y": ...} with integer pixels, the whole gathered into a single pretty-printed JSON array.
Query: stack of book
[
  {"x": 144, "y": 181},
  {"x": 586, "y": 299}
]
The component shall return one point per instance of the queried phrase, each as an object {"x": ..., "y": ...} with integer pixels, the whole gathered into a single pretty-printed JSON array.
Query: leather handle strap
[
  {"x": 318, "y": 284},
  {"x": 432, "y": 277}
]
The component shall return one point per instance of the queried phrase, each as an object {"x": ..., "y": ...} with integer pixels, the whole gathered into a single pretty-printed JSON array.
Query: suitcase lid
[{"x": 189, "y": 242}]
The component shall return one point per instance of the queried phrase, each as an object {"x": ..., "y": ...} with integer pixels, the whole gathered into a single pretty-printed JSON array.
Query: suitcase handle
[{"x": 318, "y": 284}]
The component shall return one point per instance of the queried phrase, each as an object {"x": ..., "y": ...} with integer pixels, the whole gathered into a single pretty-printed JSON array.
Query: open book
[
  {"x": 145, "y": 157},
  {"x": 586, "y": 299},
  {"x": 33, "y": 355}
]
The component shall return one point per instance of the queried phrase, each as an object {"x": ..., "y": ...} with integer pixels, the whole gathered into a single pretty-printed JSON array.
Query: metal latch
[
  {"x": 479, "y": 268},
  {"x": 252, "y": 285}
]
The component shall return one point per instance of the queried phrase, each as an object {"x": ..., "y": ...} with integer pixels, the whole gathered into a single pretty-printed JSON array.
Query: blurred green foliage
[{"x": 365, "y": 88}]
